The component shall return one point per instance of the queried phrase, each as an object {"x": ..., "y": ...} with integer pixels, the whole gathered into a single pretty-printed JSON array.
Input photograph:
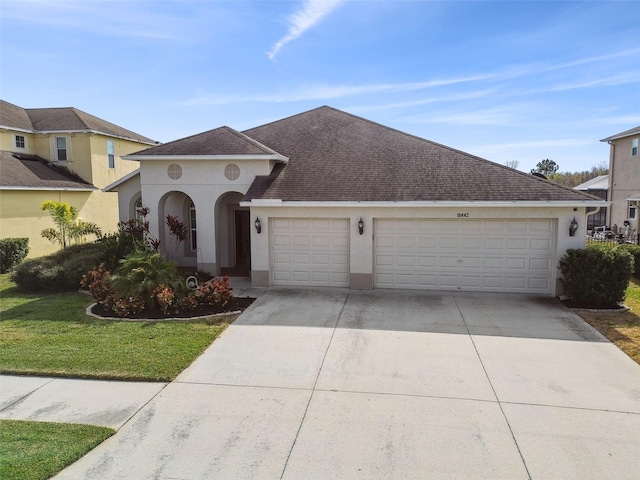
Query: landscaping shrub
[
  {"x": 634, "y": 250},
  {"x": 59, "y": 272},
  {"x": 596, "y": 276},
  {"x": 145, "y": 281},
  {"x": 12, "y": 252},
  {"x": 140, "y": 273}
]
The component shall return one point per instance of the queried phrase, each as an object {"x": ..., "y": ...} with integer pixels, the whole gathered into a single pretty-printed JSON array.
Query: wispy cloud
[
  {"x": 117, "y": 19},
  {"x": 310, "y": 14},
  {"x": 329, "y": 92}
]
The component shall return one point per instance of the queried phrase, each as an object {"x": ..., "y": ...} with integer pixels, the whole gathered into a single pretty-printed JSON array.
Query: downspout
[
  {"x": 592, "y": 212},
  {"x": 610, "y": 191}
]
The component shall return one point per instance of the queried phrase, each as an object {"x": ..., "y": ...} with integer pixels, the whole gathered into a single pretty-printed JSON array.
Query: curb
[
  {"x": 156, "y": 320},
  {"x": 620, "y": 309}
]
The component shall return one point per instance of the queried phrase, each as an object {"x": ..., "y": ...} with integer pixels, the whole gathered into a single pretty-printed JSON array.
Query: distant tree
[
  {"x": 572, "y": 179},
  {"x": 512, "y": 164},
  {"x": 546, "y": 167}
]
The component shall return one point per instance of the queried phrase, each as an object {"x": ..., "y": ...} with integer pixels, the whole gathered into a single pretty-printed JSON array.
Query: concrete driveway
[{"x": 377, "y": 385}]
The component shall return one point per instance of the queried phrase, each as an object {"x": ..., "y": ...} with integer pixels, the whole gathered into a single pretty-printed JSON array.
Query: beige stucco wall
[
  {"x": 202, "y": 181},
  {"x": 361, "y": 246},
  {"x": 21, "y": 216},
  {"x": 624, "y": 180}
]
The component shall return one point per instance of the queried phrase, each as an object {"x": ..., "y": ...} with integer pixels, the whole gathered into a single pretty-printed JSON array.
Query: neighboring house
[
  {"x": 598, "y": 187},
  {"x": 325, "y": 198},
  {"x": 624, "y": 178},
  {"x": 60, "y": 154}
]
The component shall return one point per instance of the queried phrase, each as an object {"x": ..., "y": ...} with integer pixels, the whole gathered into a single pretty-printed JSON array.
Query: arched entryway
[
  {"x": 233, "y": 235},
  {"x": 180, "y": 205}
]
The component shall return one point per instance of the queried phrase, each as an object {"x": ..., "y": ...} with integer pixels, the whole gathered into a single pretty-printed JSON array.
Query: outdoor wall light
[
  {"x": 573, "y": 227},
  {"x": 258, "y": 225},
  {"x": 361, "y": 226}
]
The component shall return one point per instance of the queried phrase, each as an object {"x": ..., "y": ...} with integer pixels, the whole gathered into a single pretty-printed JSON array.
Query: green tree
[
  {"x": 546, "y": 167},
  {"x": 68, "y": 227}
]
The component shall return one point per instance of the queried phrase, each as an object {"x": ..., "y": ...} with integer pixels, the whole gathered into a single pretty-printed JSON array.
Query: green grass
[
  {"x": 622, "y": 328},
  {"x": 50, "y": 334},
  {"x": 38, "y": 450}
]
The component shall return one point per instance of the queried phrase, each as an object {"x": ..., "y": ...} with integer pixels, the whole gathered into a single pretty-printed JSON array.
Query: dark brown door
[{"x": 243, "y": 238}]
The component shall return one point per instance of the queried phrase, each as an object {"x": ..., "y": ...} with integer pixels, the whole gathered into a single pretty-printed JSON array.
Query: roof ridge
[
  {"x": 252, "y": 141},
  {"x": 291, "y": 116},
  {"x": 77, "y": 113}
]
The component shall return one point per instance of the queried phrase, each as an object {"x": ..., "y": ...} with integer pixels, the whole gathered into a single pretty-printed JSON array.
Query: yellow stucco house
[{"x": 60, "y": 154}]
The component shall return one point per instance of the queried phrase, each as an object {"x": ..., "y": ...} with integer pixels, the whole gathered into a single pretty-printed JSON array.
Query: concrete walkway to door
[{"x": 383, "y": 385}]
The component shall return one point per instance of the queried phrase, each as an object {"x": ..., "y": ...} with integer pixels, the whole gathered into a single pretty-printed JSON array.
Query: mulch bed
[{"x": 234, "y": 305}]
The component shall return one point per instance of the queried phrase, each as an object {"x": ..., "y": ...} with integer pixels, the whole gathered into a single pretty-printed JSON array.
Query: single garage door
[
  {"x": 306, "y": 251},
  {"x": 505, "y": 255}
]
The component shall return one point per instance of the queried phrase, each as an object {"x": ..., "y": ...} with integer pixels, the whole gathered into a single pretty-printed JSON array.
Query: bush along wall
[
  {"x": 597, "y": 276},
  {"x": 59, "y": 272},
  {"x": 12, "y": 252}
]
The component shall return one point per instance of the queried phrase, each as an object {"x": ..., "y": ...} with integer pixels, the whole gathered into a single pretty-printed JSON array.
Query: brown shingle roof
[
  {"x": 220, "y": 141},
  {"x": 626, "y": 133},
  {"x": 62, "y": 120},
  {"x": 33, "y": 172},
  {"x": 336, "y": 156},
  {"x": 13, "y": 116}
]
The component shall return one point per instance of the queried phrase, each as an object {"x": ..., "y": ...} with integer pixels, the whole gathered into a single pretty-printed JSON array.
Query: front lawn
[
  {"x": 623, "y": 329},
  {"x": 38, "y": 450},
  {"x": 50, "y": 334}
]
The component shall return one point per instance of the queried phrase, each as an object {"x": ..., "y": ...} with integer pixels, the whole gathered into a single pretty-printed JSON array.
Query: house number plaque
[{"x": 462, "y": 215}]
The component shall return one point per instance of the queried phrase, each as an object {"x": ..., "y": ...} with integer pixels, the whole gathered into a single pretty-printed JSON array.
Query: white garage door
[
  {"x": 508, "y": 255},
  {"x": 306, "y": 251}
]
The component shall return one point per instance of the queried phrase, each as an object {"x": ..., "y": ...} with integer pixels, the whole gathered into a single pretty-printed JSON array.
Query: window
[
  {"x": 632, "y": 211},
  {"x": 634, "y": 147},
  {"x": 61, "y": 149},
  {"x": 192, "y": 227},
  {"x": 136, "y": 210},
  {"x": 20, "y": 141},
  {"x": 111, "y": 154}
]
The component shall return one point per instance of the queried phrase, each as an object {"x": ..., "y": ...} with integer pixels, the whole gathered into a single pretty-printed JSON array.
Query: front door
[{"x": 243, "y": 239}]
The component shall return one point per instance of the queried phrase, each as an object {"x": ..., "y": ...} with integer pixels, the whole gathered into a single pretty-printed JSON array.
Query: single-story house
[
  {"x": 598, "y": 187},
  {"x": 325, "y": 198}
]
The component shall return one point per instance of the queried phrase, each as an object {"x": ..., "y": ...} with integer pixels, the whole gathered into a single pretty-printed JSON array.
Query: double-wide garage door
[
  {"x": 493, "y": 255},
  {"x": 310, "y": 251},
  {"x": 509, "y": 255}
]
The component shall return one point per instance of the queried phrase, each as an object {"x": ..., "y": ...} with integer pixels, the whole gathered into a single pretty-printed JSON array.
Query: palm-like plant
[
  {"x": 141, "y": 272},
  {"x": 68, "y": 227}
]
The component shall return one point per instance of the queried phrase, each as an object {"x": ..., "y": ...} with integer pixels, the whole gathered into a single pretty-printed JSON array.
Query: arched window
[
  {"x": 136, "y": 210},
  {"x": 192, "y": 227}
]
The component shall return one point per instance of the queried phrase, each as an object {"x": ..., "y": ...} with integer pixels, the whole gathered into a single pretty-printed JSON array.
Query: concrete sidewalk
[{"x": 338, "y": 384}]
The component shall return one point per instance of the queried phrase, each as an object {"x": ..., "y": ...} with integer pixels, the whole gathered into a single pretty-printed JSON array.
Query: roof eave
[
  {"x": 427, "y": 203},
  {"x": 112, "y": 186},
  {"x": 277, "y": 158},
  {"x": 66, "y": 189}
]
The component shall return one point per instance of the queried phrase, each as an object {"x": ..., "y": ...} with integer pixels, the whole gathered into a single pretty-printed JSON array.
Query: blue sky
[{"x": 507, "y": 80}]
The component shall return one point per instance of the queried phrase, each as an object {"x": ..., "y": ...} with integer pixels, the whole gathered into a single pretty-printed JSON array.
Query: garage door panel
[
  {"x": 513, "y": 255},
  {"x": 312, "y": 252},
  {"x": 299, "y": 258},
  {"x": 540, "y": 244},
  {"x": 539, "y": 264},
  {"x": 539, "y": 284}
]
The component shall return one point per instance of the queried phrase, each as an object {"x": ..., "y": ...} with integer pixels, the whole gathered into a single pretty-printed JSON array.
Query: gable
[{"x": 222, "y": 141}]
